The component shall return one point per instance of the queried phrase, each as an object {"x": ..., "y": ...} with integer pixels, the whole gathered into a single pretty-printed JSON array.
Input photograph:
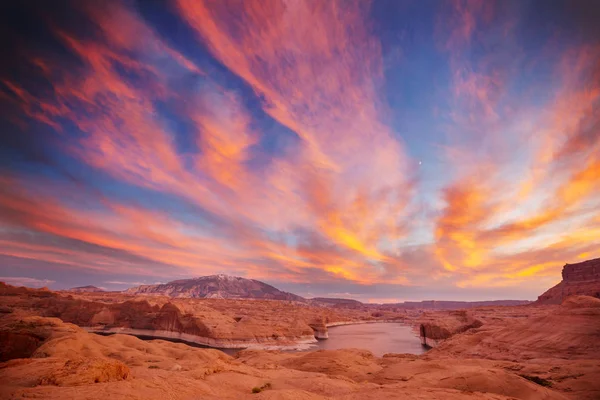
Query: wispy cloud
[{"x": 263, "y": 140}]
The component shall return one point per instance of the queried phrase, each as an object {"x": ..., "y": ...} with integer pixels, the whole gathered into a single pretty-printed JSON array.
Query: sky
[{"x": 384, "y": 151}]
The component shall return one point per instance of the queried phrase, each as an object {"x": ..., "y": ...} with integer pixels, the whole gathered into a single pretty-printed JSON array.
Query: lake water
[{"x": 379, "y": 338}]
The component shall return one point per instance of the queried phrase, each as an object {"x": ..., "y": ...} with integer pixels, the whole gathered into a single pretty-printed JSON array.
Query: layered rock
[
  {"x": 319, "y": 326},
  {"x": 577, "y": 279},
  {"x": 216, "y": 287},
  {"x": 569, "y": 331},
  {"x": 437, "y": 327}
]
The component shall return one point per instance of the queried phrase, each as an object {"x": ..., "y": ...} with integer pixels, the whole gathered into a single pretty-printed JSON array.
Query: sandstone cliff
[
  {"x": 577, "y": 279},
  {"x": 216, "y": 287}
]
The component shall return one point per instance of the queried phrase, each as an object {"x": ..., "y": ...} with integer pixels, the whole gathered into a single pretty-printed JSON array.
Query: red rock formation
[
  {"x": 17, "y": 344},
  {"x": 578, "y": 279},
  {"x": 85, "y": 371},
  {"x": 437, "y": 327}
]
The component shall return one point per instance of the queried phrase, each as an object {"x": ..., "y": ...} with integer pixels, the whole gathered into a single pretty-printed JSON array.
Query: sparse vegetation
[
  {"x": 538, "y": 380},
  {"x": 153, "y": 366},
  {"x": 257, "y": 389}
]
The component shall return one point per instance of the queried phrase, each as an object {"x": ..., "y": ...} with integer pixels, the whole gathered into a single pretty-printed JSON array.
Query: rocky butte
[
  {"x": 216, "y": 287},
  {"x": 577, "y": 279}
]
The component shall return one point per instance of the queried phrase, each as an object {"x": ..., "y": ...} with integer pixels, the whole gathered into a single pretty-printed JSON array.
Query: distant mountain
[
  {"x": 86, "y": 289},
  {"x": 336, "y": 302},
  {"x": 216, "y": 287},
  {"x": 577, "y": 279},
  {"x": 453, "y": 305}
]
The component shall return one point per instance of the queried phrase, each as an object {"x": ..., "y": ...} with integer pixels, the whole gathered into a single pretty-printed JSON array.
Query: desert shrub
[
  {"x": 257, "y": 389},
  {"x": 153, "y": 366}
]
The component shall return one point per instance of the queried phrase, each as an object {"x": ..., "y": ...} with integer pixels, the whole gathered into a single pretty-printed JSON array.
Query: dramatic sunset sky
[{"x": 385, "y": 151}]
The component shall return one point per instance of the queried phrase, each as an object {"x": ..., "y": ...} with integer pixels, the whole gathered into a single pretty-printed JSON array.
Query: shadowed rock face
[
  {"x": 216, "y": 287},
  {"x": 578, "y": 279},
  {"x": 16, "y": 344}
]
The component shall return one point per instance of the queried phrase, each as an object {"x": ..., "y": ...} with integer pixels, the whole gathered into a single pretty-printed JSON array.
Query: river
[{"x": 378, "y": 338}]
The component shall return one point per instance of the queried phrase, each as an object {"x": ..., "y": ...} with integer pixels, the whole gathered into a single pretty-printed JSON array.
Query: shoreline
[
  {"x": 206, "y": 341},
  {"x": 283, "y": 343}
]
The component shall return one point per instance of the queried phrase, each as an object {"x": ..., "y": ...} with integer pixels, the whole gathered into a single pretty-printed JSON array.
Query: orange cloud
[
  {"x": 562, "y": 189},
  {"x": 341, "y": 203},
  {"x": 330, "y": 102}
]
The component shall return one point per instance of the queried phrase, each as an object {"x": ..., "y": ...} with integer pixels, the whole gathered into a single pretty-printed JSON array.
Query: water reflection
[{"x": 379, "y": 338}]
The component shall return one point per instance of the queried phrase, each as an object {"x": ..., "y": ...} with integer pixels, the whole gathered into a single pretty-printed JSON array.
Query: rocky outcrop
[
  {"x": 437, "y": 327},
  {"x": 85, "y": 371},
  {"x": 216, "y": 287},
  {"x": 567, "y": 332},
  {"x": 319, "y": 326},
  {"x": 577, "y": 279},
  {"x": 577, "y": 302}
]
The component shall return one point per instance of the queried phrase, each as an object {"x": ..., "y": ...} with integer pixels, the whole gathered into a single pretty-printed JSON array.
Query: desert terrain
[{"x": 543, "y": 350}]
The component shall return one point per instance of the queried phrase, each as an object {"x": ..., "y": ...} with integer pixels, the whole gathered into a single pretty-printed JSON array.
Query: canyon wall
[
  {"x": 577, "y": 279},
  {"x": 228, "y": 323}
]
